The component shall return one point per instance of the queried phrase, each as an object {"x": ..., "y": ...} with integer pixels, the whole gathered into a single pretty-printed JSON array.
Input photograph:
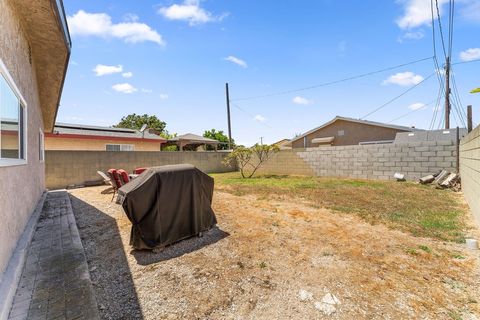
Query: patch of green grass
[
  {"x": 414, "y": 208},
  {"x": 425, "y": 248},
  {"x": 412, "y": 251},
  {"x": 455, "y": 315},
  {"x": 457, "y": 255}
]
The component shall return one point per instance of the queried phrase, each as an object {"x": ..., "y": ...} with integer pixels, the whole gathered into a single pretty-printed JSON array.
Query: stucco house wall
[
  {"x": 354, "y": 133},
  {"x": 22, "y": 185},
  {"x": 77, "y": 144}
]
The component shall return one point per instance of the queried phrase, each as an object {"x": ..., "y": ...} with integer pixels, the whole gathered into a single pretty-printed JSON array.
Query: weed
[
  {"x": 455, "y": 315},
  {"x": 457, "y": 255},
  {"x": 263, "y": 265},
  {"x": 425, "y": 248},
  {"x": 412, "y": 251}
]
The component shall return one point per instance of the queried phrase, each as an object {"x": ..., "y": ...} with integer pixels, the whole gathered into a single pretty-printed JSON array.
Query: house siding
[
  {"x": 23, "y": 185},
  {"x": 354, "y": 133},
  {"x": 96, "y": 145}
]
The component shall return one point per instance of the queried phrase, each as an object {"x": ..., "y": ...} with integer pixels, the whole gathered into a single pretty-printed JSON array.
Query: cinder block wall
[
  {"x": 415, "y": 159},
  {"x": 64, "y": 168},
  {"x": 470, "y": 170}
]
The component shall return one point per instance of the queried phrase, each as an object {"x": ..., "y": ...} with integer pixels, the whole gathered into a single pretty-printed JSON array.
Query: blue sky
[{"x": 172, "y": 59}]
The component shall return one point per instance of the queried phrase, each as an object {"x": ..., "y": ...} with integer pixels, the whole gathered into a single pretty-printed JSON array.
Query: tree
[
  {"x": 219, "y": 136},
  {"x": 136, "y": 121},
  {"x": 250, "y": 159}
]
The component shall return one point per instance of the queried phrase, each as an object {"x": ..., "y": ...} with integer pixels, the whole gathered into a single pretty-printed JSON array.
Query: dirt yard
[{"x": 276, "y": 257}]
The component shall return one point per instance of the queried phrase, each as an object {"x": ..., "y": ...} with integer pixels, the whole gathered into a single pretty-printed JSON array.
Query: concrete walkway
[{"x": 55, "y": 282}]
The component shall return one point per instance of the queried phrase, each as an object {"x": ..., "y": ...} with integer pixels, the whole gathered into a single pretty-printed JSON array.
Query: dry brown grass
[{"x": 278, "y": 245}]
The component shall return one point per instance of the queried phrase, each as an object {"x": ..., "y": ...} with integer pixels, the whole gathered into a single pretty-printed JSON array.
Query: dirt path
[{"x": 275, "y": 259}]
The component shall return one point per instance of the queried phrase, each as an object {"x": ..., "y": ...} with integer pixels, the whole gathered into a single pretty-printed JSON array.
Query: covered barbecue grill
[{"x": 167, "y": 204}]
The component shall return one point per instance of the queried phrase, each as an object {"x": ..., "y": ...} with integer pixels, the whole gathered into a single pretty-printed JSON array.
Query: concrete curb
[
  {"x": 11, "y": 276},
  {"x": 83, "y": 268}
]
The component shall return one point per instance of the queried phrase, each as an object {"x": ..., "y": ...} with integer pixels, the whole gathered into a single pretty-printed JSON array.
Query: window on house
[
  {"x": 12, "y": 123},
  {"x": 341, "y": 133},
  {"x": 41, "y": 146},
  {"x": 119, "y": 147}
]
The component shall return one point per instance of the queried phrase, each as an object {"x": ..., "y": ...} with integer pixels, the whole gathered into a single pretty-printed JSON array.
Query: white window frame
[
  {"x": 121, "y": 145},
  {"x": 5, "y": 162},
  {"x": 41, "y": 146}
]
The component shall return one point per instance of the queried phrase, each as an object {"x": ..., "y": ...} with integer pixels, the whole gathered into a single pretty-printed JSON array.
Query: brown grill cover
[{"x": 167, "y": 204}]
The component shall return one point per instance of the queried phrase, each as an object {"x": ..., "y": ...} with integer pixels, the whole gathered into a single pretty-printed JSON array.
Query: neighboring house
[
  {"x": 192, "y": 141},
  {"x": 284, "y": 144},
  {"x": 94, "y": 138},
  {"x": 34, "y": 53},
  {"x": 343, "y": 131}
]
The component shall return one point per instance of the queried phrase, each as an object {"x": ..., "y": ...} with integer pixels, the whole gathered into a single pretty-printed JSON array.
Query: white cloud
[
  {"x": 470, "y": 54},
  {"x": 102, "y": 70},
  {"x": 124, "y": 88},
  {"x": 146, "y": 90},
  {"x": 163, "y": 96},
  {"x": 100, "y": 24},
  {"x": 191, "y": 12},
  {"x": 127, "y": 74},
  {"x": 259, "y": 118},
  {"x": 412, "y": 35},
  {"x": 237, "y": 61},
  {"x": 404, "y": 79},
  {"x": 301, "y": 100},
  {"x": 417, "y": 13},
  {"x": 416, "y": 106}
]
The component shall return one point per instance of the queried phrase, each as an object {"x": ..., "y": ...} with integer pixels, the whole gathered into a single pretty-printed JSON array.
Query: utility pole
[
  {"x": 261, "y": 141},
  {"x": 447, "y": 94},
  {"x": 469, "y": 119},
  {"x": 228, "y": 116}
]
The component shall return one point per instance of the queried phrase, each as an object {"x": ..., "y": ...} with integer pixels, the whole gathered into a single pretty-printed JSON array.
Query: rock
[
  {"x": 328, "y": 303},
  {"x": 327, "y": 309},
  {"x": 304, "y": 295},
  {"x": 330, "y": 299}
]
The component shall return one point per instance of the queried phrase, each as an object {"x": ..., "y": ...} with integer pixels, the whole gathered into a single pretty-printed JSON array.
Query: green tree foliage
[
  {"x": 136, "y": 121},
  {"x": 219, "y": 136},
  {"x": 250, "y": 159}
]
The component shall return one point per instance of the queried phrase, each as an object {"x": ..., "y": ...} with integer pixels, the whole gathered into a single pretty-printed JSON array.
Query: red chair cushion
[
  {"x": 123, "y": 175},
  {"x": 113, "y": 174},
  {"x": 139, "y": 170}
]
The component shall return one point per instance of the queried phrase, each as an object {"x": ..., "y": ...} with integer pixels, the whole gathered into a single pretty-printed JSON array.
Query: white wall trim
[{"x": 24, "y": 107}]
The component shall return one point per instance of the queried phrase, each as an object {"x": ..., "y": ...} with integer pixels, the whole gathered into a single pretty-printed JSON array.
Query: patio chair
[
  {"x": 105, "y": 178},
  {"x": 123, "y": 176},
  {"x": 114, "y": 180}
]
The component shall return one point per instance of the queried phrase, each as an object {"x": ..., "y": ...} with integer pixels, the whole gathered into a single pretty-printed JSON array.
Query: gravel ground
[{"x": 275, "y": 259}]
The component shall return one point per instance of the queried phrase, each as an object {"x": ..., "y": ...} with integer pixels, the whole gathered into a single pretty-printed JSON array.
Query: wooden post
[
  {"x": 469, "y": 119},
  {"x": 228, "y": 117},
  {"x": 458, "y": 150}
]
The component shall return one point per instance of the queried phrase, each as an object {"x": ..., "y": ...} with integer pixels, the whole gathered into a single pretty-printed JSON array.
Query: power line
[
  {"x": 463, "y": 62},
  {"x": 332, "y": 82},
  {"x": 397, "y": 97},
  {"x": 441, "y": 29},
  {"x": 248, "y": 113},
  {"x": 450, "y": 27},
  {"x": 413, "y": 111},
  {"x": 437, "y": 107}
]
